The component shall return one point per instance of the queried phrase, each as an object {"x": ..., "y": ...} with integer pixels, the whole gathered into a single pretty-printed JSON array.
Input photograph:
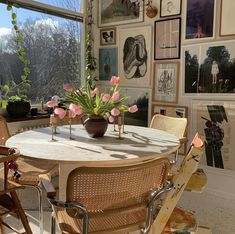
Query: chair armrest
[
  {"x": 151, "y": 205},
  {"x": 80, "y": 211},
  {"x": 48, "y": 186}
]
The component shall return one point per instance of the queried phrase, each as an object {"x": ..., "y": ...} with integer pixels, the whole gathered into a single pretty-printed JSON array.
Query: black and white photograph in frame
[
  {"x": 108, "y": 36},
  {"x": 170, "y": 7}
]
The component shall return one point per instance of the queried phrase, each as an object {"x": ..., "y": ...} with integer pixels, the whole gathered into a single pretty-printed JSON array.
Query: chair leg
[
  {"x": 40, "y": 206},
  {"x": 2, "y": 227},
  {"x": 52, "y": 223},
  {"x": 21, "y": 212}
]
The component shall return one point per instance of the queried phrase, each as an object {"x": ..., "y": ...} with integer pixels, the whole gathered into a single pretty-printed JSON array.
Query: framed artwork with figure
[
  {"x": 170, "y": 8},
  {"x": 166, "y": 81},
  {"x": 215, "y": 118},
  {"x": 107, "y": 63},
  {"x": 116, "y": 12},
  {"x": 134, "y": 56},
  {"x": 209, "y": 68},
  {"x": 167, "y": 39},
  {"x": 107, "y": 36},
  {"x": 200, "y": 19}
]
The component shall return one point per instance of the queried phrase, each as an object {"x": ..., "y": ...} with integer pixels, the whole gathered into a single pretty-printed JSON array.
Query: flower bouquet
[{"x": 92, "y": 104}]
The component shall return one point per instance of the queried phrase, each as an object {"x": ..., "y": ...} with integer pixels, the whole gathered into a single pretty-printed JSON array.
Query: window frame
[{"x": 58, "y": 12}]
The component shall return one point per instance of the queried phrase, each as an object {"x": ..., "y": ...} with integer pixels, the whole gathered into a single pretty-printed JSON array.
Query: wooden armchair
[
  {"x": 30, "y": 170},
  {"x": 111, "y": 199},
  {"x": 173, "y": 125},
  {"x": 9, "y": 202}
]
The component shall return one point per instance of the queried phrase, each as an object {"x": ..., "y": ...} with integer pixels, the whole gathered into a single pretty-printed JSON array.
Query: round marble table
[{"x": 138, "y": 143}]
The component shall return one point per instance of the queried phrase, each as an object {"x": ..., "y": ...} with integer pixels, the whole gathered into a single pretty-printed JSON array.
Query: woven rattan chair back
[
  {"x": 4, "y": 132},
  {"x": 9, "y": 201},
  {"x": 173, "y": 125},
  {"x": 116, "y": 197}
]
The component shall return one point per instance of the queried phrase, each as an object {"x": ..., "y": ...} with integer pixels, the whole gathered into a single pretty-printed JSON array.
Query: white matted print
[
  {"x": 170, "y": 7},
  {"x": 227, "y": 18},
  {"x": 216, "y": 121},
  {"x": 165, "y": 82},
  {"x": 134, "y": 56}
]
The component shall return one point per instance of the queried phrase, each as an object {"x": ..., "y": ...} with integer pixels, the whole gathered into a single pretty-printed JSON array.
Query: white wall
[{"x": 218, "y": 180}]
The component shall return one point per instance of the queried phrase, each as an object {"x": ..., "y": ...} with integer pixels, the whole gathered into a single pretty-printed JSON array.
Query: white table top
[{"x": 137, "y": 143}]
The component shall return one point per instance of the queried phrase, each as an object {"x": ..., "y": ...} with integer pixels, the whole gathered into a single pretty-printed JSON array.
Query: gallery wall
[{"x": 185, "y": 62}]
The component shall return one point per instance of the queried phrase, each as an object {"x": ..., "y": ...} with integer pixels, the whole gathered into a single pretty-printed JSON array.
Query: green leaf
[
  {"x": 16, "y": 5},
  {"x": 13, "y": 16},
  {"x": 9, "y": 7}
]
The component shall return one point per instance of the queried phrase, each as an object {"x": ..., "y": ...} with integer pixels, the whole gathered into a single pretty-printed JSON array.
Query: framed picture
[
  {"x": 112, "y": 12},
  {"x": 170, "y": 7},
  {"x": 134, "y": 56},
  {"x": 107, "y": 63},
  {"x": 140, "y": 97},
  {"x": 108, "y": 36},
  {"x": 172, "y": 111},
  {"x": 200, "y": 19},
  {"x": 167, "y": 39},
  {"x": 209, "y": 68},
  {"x": 227, "y": 17},
  {"x": 215, "y": 118},
  {"x": 166, "y": 82}
]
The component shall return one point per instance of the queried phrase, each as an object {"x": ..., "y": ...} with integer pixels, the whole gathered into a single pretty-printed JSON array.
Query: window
[{"x": 53, "y": 44}]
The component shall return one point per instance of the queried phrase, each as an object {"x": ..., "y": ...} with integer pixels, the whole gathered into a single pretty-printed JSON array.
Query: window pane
[
  {"x": 54, "y": 49},
  {"x": 73, "y": 5}
]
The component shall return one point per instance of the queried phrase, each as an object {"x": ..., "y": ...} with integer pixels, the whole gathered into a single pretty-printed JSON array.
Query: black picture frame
[{"x": 167, "y": 39}]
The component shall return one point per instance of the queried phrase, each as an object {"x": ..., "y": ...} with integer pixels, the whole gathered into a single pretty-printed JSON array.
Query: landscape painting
[
  {"x": 210, "y": 68},
  {"x": 139, "y": 97},
  {"x": 115, "y": 12}
]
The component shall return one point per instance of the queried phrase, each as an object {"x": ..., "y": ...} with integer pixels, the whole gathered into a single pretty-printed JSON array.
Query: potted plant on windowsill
[{"x": 13, "y": 96}]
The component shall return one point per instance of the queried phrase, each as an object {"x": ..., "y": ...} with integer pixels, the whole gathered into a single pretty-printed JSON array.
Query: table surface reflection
[{"x": 137, "y": 142}]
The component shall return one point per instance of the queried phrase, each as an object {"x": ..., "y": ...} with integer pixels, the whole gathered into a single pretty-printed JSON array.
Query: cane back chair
[
  {"x": 173, "y": 125},
  {"x": 111, "y": 199},
  {"x": 9, "y": 201},
  {"x": 30, "y": 170}
]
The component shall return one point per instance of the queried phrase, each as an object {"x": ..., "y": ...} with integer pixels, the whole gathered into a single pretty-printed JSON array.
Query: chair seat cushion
[{"x": 30, "y": 170}]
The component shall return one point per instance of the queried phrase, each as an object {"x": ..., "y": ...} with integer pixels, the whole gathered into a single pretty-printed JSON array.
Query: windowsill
[{"x": 10, "y": 119}]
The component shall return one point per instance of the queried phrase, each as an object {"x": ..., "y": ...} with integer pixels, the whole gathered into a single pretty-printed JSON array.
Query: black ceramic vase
[{"x": 95, "y": 125}]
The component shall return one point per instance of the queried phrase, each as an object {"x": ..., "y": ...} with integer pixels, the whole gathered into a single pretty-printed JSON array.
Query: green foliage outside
[{"x": 12, "y": 90}]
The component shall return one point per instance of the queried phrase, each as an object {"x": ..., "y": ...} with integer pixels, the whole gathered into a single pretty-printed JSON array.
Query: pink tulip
[
  {"x": 51, "y": 103},
  {"x": 116, "y": 96},
  {"x": 133, "y": 109},
  {"x": 68, "y": 87},
  {"x": 115, "y": 80},
  {"x": 111, "y": 119},
  {"x": 94, "y": 92},
  {"x": 115, "y": 112},
  {"x": 76, "y": 110},
  {"x": 60, "y": 112},
  {"x": 105, "y": 97}
]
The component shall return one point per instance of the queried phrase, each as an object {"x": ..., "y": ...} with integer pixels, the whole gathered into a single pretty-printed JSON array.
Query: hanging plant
[
  {"x": 12, "y": 90},
  {"x": 90, "y": 60}
]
